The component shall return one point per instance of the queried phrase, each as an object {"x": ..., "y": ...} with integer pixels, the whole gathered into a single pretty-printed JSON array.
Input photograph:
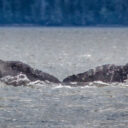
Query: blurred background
[{"x": 64, "y": 12}]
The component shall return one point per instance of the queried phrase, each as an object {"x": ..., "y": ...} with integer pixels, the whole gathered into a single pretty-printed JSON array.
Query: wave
[{"x": 22, "y": 80}]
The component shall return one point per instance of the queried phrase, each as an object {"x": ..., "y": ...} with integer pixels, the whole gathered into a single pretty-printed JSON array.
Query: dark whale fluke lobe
[
  {"x": 18, "y": 73},
  {"x": 14, "y": 68},
  {"x": 105, "y": 73}
]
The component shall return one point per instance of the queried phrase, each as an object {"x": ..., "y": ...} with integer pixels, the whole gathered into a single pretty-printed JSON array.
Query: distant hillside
[{"x": 64, "y": 12}]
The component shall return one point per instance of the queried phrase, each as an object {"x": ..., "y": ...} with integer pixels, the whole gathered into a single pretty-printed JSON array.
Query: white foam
[
  {"x": 37, "y": 83},
  {"x": 20, "y": 79},
  {"x": 100, "y": 82},
  {"x": 61, "y": 86}
]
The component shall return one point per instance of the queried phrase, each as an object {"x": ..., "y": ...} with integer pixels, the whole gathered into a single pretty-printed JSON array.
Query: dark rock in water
[
  {"x": 105, "y": 73},
  {"x": 14, "y": 68}
]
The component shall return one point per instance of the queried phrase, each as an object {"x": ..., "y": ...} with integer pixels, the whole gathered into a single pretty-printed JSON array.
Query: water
[{"x": 62, "y": 52}]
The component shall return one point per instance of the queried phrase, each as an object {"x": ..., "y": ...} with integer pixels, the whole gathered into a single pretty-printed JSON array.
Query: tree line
[{"x": 64, "y": 12}]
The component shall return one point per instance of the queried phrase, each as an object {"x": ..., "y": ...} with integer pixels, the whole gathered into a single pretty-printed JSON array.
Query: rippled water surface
[
  {"x": 62, "y": 52},
  {"x": 52, "y": 107}
]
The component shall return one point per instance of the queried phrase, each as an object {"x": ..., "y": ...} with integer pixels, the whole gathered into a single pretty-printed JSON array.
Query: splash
[{"x": 21, "y": 80}]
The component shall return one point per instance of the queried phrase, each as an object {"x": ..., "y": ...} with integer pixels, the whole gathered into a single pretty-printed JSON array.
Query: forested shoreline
[{"x": 64, "y": 12}]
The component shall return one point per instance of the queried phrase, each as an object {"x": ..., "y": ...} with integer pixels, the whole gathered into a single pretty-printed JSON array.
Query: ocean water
[{"x": 62, "y": 52}]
